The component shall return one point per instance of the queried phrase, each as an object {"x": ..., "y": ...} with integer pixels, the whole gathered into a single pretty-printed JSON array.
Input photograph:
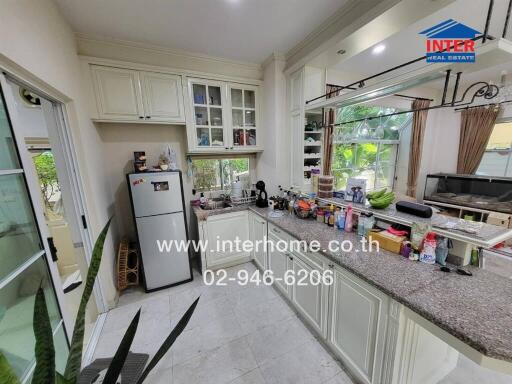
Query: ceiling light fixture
[{"x": 378, "y": 49}]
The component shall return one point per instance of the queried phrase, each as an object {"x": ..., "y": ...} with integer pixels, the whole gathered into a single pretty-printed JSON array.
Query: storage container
[{"x": 386, "y": 240}]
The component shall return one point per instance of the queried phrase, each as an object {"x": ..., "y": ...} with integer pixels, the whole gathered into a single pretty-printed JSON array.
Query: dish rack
[{"x": 242, "y": 200}]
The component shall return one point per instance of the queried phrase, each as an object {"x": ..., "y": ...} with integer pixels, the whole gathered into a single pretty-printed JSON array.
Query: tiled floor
[{"x": 238, "y": 334}]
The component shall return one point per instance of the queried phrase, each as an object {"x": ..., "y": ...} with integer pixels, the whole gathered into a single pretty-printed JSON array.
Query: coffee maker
[{"x": 261, "y": 200}]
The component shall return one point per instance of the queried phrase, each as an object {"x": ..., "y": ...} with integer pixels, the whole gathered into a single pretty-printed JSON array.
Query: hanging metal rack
[
  {"x": 484, "y": 37},
  {"x": 483, "y": 90}
]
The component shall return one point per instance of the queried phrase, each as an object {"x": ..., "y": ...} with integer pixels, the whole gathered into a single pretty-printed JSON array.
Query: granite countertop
[
  {"x": 487, "y": 237},
  {"x": 475, "y": 309},
  {"x": 202, "y": 214}
]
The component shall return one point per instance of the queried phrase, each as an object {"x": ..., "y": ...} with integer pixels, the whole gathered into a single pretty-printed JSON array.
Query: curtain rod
[
  {"x": 341, "y": 87},
  {"x": 420, "y": 109},
  {"x": 482, "y": 105},
  {"x": 391, "y": 114}
]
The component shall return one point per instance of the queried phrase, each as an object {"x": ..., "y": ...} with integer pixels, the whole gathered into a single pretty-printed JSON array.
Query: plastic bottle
[
  {"x": 341, "y": 220},
  {"x": 369, "y": 222},
  {"x": 330, "y": 223},
  {"x": 348, "y": 219},
  {"x": 475, "y": 260},
  {"x": 428, "y": 253},
  {"x": 337, "y": 213},
  {"x": 361, "y": 224}
]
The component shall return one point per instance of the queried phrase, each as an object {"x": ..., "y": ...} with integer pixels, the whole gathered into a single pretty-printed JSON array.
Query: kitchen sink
[{"x": 217, "y": 203}]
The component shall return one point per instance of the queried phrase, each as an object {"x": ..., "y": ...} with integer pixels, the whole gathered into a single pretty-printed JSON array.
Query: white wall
[
  {"x": 38, "y": 42},
  {"x": 119, "y": 143},
  {"x": 273, "y": 165}
]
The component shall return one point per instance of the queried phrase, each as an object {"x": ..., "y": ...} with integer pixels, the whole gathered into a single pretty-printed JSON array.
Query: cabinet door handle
[
  {"x": 290, "y": 257},
  {"x": 148, "y": 117},
  {"x": 227, "y": 148},
  {"x": 141, "y": 117},
  {"x": 331, "y": 265},
  {"x": 276, "y": 230}
]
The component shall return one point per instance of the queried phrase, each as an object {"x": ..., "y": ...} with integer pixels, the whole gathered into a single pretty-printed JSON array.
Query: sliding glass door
[{"x": 23, "y": 263}]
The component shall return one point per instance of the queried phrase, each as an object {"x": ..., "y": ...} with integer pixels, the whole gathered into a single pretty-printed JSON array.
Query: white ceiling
[
  {"x": 242, "y": 30},
  {"x": 408, "y": 44}
]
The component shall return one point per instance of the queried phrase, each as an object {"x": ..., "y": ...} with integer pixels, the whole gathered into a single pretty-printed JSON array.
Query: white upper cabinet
[
  {"x": 129, "y": 95},
  {"x": 118, "y": 93},
  {"x": 222, "y": 116},
  {"x": 206, "y": 128},
  {"x": 244, "y": 118},
  {"x": 163, "y": 97}
]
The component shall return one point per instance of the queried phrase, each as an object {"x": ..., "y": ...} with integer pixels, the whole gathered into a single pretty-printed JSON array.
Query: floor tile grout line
[{"x": 284, "y": 353}]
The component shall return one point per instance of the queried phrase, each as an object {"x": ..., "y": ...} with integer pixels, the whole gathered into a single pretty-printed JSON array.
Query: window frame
[
  {"x": 224, "y": 185},
  {"x": 508, "y": 150},
  {"x": 380, "y": 142}
]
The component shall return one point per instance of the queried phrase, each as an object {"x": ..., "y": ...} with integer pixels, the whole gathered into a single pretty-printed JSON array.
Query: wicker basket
[{"x": 127, "y": 265}]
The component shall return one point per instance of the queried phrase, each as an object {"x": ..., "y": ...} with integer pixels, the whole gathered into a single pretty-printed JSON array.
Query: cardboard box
[
  {"x": 499, "y": 219},
  {"x": 387, "y": 240}
]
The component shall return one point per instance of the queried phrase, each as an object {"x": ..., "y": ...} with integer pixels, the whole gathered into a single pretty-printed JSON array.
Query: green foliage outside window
[
  {"x": 218, "y": 174},
  {"x": 47, "y": 174},
  {"x": 360, "y": 150}
]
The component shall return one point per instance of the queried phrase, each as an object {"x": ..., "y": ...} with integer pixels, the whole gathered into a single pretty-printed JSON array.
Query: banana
[
  {"x": 376, "y": 194},
  {"x": 383, "y": 201}
]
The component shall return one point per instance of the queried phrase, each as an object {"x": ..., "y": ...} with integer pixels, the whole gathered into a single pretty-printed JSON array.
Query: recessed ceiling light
[
  {"x": 341, "y": 52},
  {"x": 378, "y": 49}
]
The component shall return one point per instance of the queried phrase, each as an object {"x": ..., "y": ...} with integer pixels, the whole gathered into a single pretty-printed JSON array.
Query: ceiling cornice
[
  {"x": 333, "y": 19},
  {"x": 165, "y": 50},
  {"x": 275, "y": 56},
  {"x": 351, "y": 16}
]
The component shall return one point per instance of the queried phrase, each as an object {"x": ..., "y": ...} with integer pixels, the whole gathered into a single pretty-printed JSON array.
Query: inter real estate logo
[{"x": 450, "y": 42}]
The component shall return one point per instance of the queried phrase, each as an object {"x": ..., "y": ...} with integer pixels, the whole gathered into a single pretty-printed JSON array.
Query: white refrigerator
[{"x": 159, "y": 213}]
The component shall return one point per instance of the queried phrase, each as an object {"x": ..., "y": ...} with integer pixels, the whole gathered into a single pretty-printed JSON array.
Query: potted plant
[{"x": 45, "y": 373}]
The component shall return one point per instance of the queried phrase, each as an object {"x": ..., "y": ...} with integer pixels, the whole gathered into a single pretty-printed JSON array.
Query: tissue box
[{"x": 386, "y": 240}]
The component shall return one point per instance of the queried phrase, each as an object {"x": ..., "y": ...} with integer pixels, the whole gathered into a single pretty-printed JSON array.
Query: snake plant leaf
[
  {"x": 44, "y": 373},
  {"x": 59, "y": 379},
  {"x": 178, "y": 329},
  {"x": 117, "y": 363},
  {"x": 7, "y": 375},
  {"x": 75, "y": 352}
]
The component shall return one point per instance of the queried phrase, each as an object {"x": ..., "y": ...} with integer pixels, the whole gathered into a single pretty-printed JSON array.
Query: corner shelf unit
[{"x": 312, "y": 143}]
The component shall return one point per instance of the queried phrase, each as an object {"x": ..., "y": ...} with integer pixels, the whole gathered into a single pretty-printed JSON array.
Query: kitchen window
[
  {"x": 218, "y": 174},
  {"x": 367, "y": 149},
  {"x": 497, "y": 160}
]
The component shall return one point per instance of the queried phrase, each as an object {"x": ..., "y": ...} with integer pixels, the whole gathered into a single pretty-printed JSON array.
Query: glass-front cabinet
[
  {"x": 208, "y": 99},
  {"x": 243, "y": 115},
  {"x": 222, "y": 116}
]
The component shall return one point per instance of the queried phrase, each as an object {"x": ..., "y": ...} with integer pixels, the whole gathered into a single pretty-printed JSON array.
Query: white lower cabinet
[
  {"x": 310, "y": 298},
  {"x": 279, "y": 262},
  {"x": 358, "y": 325},
  {"x": 258, "y": 235},
  {"x": 349, "y": 314},
  {"x": 218, "y": 230}
]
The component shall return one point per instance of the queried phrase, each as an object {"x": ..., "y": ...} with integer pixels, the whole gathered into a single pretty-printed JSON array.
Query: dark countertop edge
[
  {"x": 408, "y": 219},
  {"x": 403, "y": 300}
]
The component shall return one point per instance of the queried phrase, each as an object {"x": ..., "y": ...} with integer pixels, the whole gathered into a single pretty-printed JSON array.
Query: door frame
[{"x": 75, "y": 181}]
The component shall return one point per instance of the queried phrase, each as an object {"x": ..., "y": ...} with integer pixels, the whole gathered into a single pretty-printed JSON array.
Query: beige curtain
[
  {"x": 475, "y": 129},
  {"x": 328, "y": 136},
  {"x": 419, "y": 121},
  {"x": 329, "y": 118}
]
